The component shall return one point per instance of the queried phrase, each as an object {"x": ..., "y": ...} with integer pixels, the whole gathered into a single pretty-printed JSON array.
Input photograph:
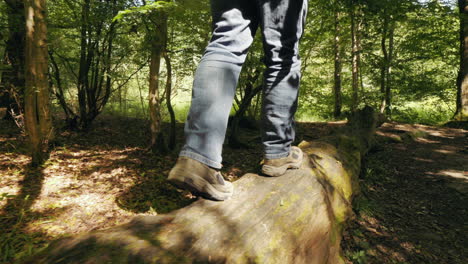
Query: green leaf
[{"x": 148, "y": 8}]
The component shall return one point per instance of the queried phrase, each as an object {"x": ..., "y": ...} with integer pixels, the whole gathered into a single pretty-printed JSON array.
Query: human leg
[
  {"x": 214, "y": 86},
  {"x": 234, "y": 25},
  {"x": 282, "y": 23}
]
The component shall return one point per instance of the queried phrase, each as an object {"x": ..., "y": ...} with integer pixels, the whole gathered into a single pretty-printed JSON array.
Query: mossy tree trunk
[{"x": 296, "y": 218}]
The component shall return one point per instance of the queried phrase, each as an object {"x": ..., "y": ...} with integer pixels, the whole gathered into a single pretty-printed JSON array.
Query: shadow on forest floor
[
  {"x": 412, "y": 209},
  {"x": 16, "y": 215},
  {"x": 93, "y": 180},
  {"x": 413, "y": 206}
]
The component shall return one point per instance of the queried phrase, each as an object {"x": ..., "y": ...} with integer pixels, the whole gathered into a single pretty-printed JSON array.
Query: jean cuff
[
  {"x": 200, "y": 158},
  {"x": 277, "y": 156}
]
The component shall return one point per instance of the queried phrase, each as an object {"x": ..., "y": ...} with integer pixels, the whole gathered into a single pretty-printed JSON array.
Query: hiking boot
[
  {"x": 278, "y": 167},
  {"x": 201, "y": 180}
]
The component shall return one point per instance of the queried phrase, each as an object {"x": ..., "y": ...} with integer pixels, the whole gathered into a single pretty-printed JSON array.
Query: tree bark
[
  {"x": 172, "y": 133},
  {"x": 388, "y": 30},
  {"x": 355, "y": 56},
  {"x": 247, "y": 93},
  {"x": 388, "y": 90},
  {"x": 461, "y": 113},
  {"x": 250, "y": 93},
  {"x": 338, "y": 68},
  {"x": 158, "y": 47},
  {"x": 96, "y": 48},
  {"x": 37, "y": 113},
  {"x": 101, "y": 100},
  {"x": 70, "y": 116},
  {"x": 84, "y": 67},
  {"x": 297, "y": 218},
  {"x": 383, "y": 68}
]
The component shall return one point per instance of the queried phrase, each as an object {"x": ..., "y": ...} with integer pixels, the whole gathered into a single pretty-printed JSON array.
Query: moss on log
[{"x": 296, "y": 218}]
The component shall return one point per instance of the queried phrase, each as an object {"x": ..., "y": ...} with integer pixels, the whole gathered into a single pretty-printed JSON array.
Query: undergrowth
[
  {"x": 428, "y": 112},
  {"x": 15, "y": 243},
  {"x": 374, "y": 174}
]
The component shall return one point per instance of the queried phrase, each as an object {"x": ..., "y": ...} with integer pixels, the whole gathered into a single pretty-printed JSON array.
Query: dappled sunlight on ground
[
  {"x": 11, "y": 169},
  {"x": 414, "y": 187},
  {"x": 463, "y": 175},
  {"x": 414, "y": 201},
  {"x": 87, "y": 183},
  {"x": 84, "y": 184},
  {"x": 102, "y": 178},
  {"x": 447, "y": 151}
]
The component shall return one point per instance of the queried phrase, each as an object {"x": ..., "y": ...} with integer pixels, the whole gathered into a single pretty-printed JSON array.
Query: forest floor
[{"x": 412, "y": 207}]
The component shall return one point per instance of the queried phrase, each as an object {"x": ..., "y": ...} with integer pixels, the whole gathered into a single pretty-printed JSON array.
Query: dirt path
[
  {"x": 413, "y": 207},
  {"x": 415, "y": 198}
]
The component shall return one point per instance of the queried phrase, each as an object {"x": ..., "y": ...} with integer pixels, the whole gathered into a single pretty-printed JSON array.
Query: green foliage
[
  {"x": 358, "y": 257},
  {"x": 424, "y": 66},
  {"x": 423, "y": 70},
  {"x": 148, "y": 8},
  {"x": 14, "y": 242},
  {"x": 431, "y": 111}
]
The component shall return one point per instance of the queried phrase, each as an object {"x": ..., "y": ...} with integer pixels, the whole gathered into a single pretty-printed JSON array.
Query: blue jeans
[{"x": 234, "y": 25}]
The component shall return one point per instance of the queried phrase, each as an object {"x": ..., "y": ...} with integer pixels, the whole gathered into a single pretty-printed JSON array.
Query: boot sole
[
  {"x": 273, "y": 171},
  {"x": 200, "y": 187}
]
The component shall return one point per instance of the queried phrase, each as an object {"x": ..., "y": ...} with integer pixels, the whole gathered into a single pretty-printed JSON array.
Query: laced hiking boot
[
  {"x": 278, "y": 167},
  {"x": 201, "y": 180}
]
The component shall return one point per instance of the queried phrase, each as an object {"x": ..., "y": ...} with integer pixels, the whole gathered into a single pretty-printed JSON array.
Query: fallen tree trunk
[{"x": 296, "y": 218}]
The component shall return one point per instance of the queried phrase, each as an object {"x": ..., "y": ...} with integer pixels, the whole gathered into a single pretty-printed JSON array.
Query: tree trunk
[
  {"x": 247, "y": 93},
  {"x": 142, "y": 99},
  {"x": 355, "y": 57},
  {"x": 383, "y": 70},
  {"x": 70, "y": 116},
  {"x": 172, "y": 133},
  {"x": 250, "y": 93},
  {"x": 37, "y": 113},
  {"x": 84, "y": 67},
  {"x": 388, "y": 86},
  {"x": 338, "y": 68},
  {"x": 158, "y": 46},
  {"x": 297, "y": 218},
  {"x": 461, "y": 113},
  {"x": 154, "y": 100},
  {"x": 101, "y": 100},
  {"x": 96, "y": 48},
  {"x": 388, "y": 30},
  {"x": 12, "y": 78}
]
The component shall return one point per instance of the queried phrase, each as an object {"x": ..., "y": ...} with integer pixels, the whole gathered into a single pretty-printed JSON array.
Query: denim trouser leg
[
  {"x": 212, "y": 95},
  {"x": 216, "y": 80},
  {"x": 234, "y": 25},
  {"x": 282, "y": 27}
]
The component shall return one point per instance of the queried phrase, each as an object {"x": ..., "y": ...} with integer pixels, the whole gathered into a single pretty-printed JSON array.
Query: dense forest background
[
  {"x": 399, "y": 56},
  {"x": 98, "y": 90}
]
